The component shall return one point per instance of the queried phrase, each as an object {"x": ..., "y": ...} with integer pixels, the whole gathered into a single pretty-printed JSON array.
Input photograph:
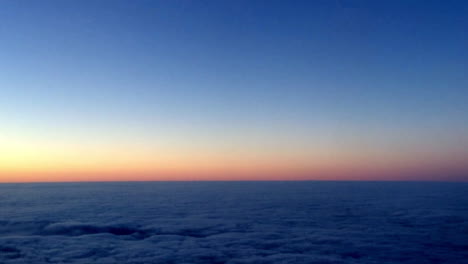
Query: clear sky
[{"x": 233, "y": 90}]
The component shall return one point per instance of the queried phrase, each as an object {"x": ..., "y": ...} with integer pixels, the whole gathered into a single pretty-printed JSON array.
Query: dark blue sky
[{"x": 388, "y": 75}]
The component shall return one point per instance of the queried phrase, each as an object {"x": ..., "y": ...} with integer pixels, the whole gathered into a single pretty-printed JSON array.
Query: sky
[{"x": 233, "y": 90}]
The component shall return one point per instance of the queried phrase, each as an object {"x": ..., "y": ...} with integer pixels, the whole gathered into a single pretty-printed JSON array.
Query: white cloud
[{"x": 313, "y": 222}]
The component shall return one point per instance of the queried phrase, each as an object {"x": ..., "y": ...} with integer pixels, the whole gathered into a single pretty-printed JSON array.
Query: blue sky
[{"x": 380, "y": 73}]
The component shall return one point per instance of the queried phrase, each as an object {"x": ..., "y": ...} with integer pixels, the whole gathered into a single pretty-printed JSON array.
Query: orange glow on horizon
[
  {"x": 346, "y": 172},
  {"x": 38, "y": 161}
]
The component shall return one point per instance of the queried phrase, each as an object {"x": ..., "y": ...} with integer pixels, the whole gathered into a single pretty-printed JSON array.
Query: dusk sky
[{"x": 233, "y": 90}]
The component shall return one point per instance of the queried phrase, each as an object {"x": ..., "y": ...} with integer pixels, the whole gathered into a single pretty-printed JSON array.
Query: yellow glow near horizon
[
  {"x": 41, "y": 161},
  {"x": 31, "y": 158}
]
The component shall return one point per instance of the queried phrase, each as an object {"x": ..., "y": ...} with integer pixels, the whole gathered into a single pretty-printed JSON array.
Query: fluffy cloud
[{"x": 313, "y": 222}]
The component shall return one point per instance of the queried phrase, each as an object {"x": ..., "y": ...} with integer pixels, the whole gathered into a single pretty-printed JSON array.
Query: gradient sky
[{"x": 233, "y": 90}]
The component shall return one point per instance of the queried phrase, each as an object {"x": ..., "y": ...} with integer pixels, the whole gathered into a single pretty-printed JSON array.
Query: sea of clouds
[{"x": 234, "y": 222}]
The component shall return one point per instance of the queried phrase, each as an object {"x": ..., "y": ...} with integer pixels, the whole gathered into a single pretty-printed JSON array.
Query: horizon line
[{"x": 234, "y": 181}]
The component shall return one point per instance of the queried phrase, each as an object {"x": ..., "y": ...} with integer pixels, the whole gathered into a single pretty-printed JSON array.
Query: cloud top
[{"x": 308, "y": 222}]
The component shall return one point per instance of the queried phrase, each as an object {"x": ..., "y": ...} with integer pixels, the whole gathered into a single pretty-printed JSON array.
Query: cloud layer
[{"x": 268, "y": 222}]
